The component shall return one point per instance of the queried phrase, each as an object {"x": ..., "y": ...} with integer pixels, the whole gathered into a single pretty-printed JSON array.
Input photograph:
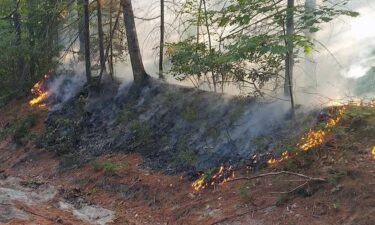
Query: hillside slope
[{"x": 116, "y": 188}]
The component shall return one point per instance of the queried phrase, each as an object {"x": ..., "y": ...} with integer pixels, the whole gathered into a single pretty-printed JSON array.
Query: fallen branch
[
  {"x": 307, "y": 180},
  {"x": 278, "y": 173}
]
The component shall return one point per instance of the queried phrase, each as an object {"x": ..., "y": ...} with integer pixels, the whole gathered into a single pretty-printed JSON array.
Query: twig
[
  {"x": 293, "y": 190},
  {"x": 278, "y": 173}
]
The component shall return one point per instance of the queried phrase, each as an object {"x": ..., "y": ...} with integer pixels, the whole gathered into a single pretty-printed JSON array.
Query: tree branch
[{"x": 11, "y": 14}]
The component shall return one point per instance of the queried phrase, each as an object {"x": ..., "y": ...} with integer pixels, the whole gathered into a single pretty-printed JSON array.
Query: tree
[
  {"x": 81, "y": 25},
  {"x": 139, "y": 73},
  {"x": 162, "y": 34},
  {"x": 310, "y": 62},
  {"x": 289, "y": 58},
  {"x": 100, "y": 36},
  {"x": 254, "y": 42},
  {"x": 16, "y": 17},
  {"x": 86, "y": 32}
]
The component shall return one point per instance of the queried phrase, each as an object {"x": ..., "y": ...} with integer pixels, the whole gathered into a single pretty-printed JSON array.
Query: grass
[
  {"x": 108, "y": 167},
  {"x": 189, "y": 114},
  {"x": 142, "y": 133},
  {"x": 127, "y": 114},
  {"x": 185, "y": 155}
]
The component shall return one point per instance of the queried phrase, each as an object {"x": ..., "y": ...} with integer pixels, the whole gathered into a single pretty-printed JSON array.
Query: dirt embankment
[{"x": 117, "y": 188}]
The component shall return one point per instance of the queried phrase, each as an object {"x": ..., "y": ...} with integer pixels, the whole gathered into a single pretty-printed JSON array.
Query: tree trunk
[
  {"x": 20, "y": 59},
  {"x": 110, "y": 62},
  {"x": 86, "y": 32},
  {"x": 209, "y": 42},
  {"x": 289, "y": 60},
  {"x": 310, "y": 62},
  {"x": 139, "y": 73},
  {"x": 162, "y": 30},
  {"x": 101, "y": 37},
  {"x": 30, "y": 8},
  {"x": 81, "y": 25}
]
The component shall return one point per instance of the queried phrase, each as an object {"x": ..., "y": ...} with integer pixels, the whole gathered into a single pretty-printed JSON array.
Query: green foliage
[
  {"x": 189, "y": 114},
  {"x": 252, "y": 52},
  {"x": 106, "y": 167},
  {"x": 29, "y": 50},
  {"x": 360, "y": 112},
  {"x": 185, "y": 155},
  {"x": 126, "y": 115},
  {"x": 20, "y": 128},
  {"x": 61, "y": 135},
  {"x": 142, "y": 133}
]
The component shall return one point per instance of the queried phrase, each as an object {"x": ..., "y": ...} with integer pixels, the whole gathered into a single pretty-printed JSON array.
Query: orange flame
[
  {"x": 220, "y": 177},
  {"x": 373, "y": 152},
  {"x": 40, "y": 94},
  {"x": 312, "y": 139}
]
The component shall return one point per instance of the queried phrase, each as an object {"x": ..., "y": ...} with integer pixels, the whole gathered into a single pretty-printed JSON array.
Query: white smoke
[{"x": 66, "y": 84}]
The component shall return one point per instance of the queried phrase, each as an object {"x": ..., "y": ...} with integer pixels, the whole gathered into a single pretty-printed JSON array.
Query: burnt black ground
[{"x": 176, "y": 129}]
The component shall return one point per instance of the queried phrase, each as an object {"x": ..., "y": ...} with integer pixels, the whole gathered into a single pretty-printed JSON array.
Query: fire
[
  {"x": 222, "y": 175},
  {"x": 39, "y": 92},
  {"x": 283, "y": 157},
  {"x": 373, "y": 152},
  {"x": 312, "y": 139}
]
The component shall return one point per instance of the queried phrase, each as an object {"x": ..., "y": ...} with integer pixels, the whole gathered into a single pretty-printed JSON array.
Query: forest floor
[{"x": 116, "y": 189}]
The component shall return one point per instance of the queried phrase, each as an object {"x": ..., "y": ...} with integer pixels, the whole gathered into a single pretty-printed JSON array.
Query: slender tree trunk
[
  {"x": 86, "y": 32},
  {"x": 30, "y": 8},
  {"x": 101, "y": 36},
  {"x": 209, "y": 42},
  {"x": 81, "y": 26},
  {"x": 162, "y": 30},
  {"x": 199, "y": 20},
  {"x": 20, "y": 59},
  {"x": 289, "y": 61},
  {"x": 111, "y": 70},
  {"x": 310, "y": 62},
  {"x": 139, "y": 73}
]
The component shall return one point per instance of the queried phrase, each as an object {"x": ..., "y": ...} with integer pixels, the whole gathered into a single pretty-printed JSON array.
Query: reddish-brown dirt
[{"x": 141, "y": 196}]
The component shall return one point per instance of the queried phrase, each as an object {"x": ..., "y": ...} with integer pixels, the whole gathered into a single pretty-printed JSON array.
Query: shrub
[{"x": 20, "y": 128}]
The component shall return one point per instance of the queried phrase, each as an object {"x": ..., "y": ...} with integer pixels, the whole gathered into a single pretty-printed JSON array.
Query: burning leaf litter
[
  {"x": 313, "y": 138},
  {"x": 212, "y": 178},
  {"x": 373, "y": 152},
  {"x": 39, "y": 93}
]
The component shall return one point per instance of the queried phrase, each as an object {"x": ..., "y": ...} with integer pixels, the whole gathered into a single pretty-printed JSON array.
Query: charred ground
[
  {"x": 175, "y": 129},
  {"x": 119, "y": 179}
]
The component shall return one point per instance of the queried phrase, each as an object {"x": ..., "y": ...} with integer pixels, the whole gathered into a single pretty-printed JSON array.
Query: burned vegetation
[{"x": 176, "y": 129}]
